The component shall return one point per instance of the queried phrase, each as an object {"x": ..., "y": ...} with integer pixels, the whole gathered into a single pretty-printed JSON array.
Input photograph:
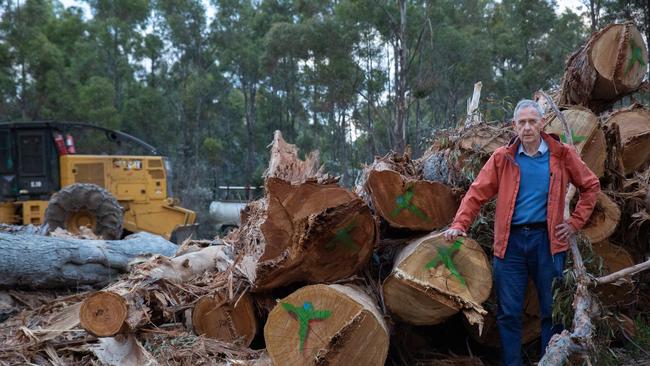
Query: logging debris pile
[{"x": 321, "y": 274}]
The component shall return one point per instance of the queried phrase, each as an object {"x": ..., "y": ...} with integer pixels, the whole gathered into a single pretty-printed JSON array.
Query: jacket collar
[{"x": 551, "y": 139}]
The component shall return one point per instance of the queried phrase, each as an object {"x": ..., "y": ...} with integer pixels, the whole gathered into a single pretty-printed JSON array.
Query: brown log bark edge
[{"x": 632, "y": 124}]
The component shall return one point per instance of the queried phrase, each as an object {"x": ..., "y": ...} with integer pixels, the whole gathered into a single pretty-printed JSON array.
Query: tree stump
[
  {"x": 433, "y": 279},
  {"x": 327, "y": 325},
  {"x": 633, "y": 125},
  {"x": 610, "y": 65},
  {"x": 603, "y": 220},
  {"x": 394, "y": 188},
  {"x": 588, "y": 137}
]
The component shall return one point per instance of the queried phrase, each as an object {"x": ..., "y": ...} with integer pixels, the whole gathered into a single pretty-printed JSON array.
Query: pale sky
[{"x": 575, "y": 5}]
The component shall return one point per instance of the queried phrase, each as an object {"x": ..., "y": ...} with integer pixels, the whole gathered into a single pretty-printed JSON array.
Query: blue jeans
[{"x": 528, "y": 255}]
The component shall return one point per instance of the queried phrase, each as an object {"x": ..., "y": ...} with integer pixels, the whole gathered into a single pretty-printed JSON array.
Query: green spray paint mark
[
  {"x": 576, "y": 138},
  {"x": 304, "y": 315},
  {"x": 444, "y": 256},
  {"x": 635, "y": 57},
  {"x": 344, "y": 238},
  {"x": 403, "y": 202}
]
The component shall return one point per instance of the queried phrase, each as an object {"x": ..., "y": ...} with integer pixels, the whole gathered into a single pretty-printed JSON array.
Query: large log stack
[{"x": 326, "y": 272}]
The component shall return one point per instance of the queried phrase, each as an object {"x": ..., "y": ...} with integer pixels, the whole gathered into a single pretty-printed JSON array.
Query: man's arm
[
  {"x": 485, "y": 186},
  {"x": 587, "y": 184}
]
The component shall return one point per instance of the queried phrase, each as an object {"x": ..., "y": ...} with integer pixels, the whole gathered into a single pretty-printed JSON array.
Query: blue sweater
[{"x": 530, "y": 205}]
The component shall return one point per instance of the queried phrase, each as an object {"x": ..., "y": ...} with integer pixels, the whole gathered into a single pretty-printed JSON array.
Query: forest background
[{"x": 207, "y": 82}]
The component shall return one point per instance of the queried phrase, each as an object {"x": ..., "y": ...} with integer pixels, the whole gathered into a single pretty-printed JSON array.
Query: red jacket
[{"x": 500, "y": 176}]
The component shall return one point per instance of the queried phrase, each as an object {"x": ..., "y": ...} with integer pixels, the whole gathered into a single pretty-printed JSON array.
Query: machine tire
[{"x": 94, "y": 202}]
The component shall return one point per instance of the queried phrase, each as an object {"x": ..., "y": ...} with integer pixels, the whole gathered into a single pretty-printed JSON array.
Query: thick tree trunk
[
  {"x": 633, "y": 127},
  {"x": 36, "y": 261},
  {"x": 433, "y": 279},
  {"x": 394, "y": 188},
  {"x": 588, "y": 138},
  {"x": 306, "y": 228},
  {"x": 129, "y": 303},
  {"x": 610, "y": 65},
  {"x": 603, "y": 220},
  {"x": 341, "y": 325}
]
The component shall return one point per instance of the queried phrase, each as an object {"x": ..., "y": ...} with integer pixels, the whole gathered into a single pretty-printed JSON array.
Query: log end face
[
  {"x": 103, "y": 314},
  {"x": 342, "y": 330},
  {"x": 216, "y": 318}
]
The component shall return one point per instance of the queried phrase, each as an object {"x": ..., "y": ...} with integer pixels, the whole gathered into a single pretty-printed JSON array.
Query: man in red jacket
[{"x": 529, "y": 176}]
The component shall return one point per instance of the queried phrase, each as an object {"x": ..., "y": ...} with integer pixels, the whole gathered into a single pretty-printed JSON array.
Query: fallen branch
[{"x": 624, "y": 273}]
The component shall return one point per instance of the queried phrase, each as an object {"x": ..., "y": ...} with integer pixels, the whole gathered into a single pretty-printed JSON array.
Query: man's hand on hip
[
  {"x": 564, "y": 231},
  {"x": 451, "y": 234}
]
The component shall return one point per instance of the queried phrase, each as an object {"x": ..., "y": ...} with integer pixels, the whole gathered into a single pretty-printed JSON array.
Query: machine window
[{"x": 31, "y": 152}]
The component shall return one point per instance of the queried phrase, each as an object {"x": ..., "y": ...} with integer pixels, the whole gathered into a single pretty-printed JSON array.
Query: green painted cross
[
  {"x": 635, "y": 57},
  {"x": 444, "y": 256},
  {"x": 404, "y": 202},
  {"x": 344, "y": 238},
  {"x": 304, "y": 315},
  {"x": 576, "y": 138}
]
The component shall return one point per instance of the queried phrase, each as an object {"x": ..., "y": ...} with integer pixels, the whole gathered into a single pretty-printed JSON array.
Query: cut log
[
  {"x": 129, "y": 303},
  {"x": 416, "y": 205},
  {"x": 327, "y": 325},
  {"x": 35, "y": 261},
  {"x": 603, "y": 220},
  {"x": 610, "y": 65},
  {"x": 306, "y": 228},
  {"x": 614, "y": 258},
  {"x": 231, "y": 321},
  {"x": 633, "y": 125},
  {"x": 433, "y": 279},
  {"x": 588, "y": 137},
  {"x": 309, "y": 232},
  {"x": 531, "y": 328},
  {"x": 394, "y": 187}
]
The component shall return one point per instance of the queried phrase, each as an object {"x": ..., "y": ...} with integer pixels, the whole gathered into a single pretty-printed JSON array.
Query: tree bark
[
  {"x": 349, "y": 331},
  {"x": 633, "y": 127},
  {"x": 35, "y": 261}
]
